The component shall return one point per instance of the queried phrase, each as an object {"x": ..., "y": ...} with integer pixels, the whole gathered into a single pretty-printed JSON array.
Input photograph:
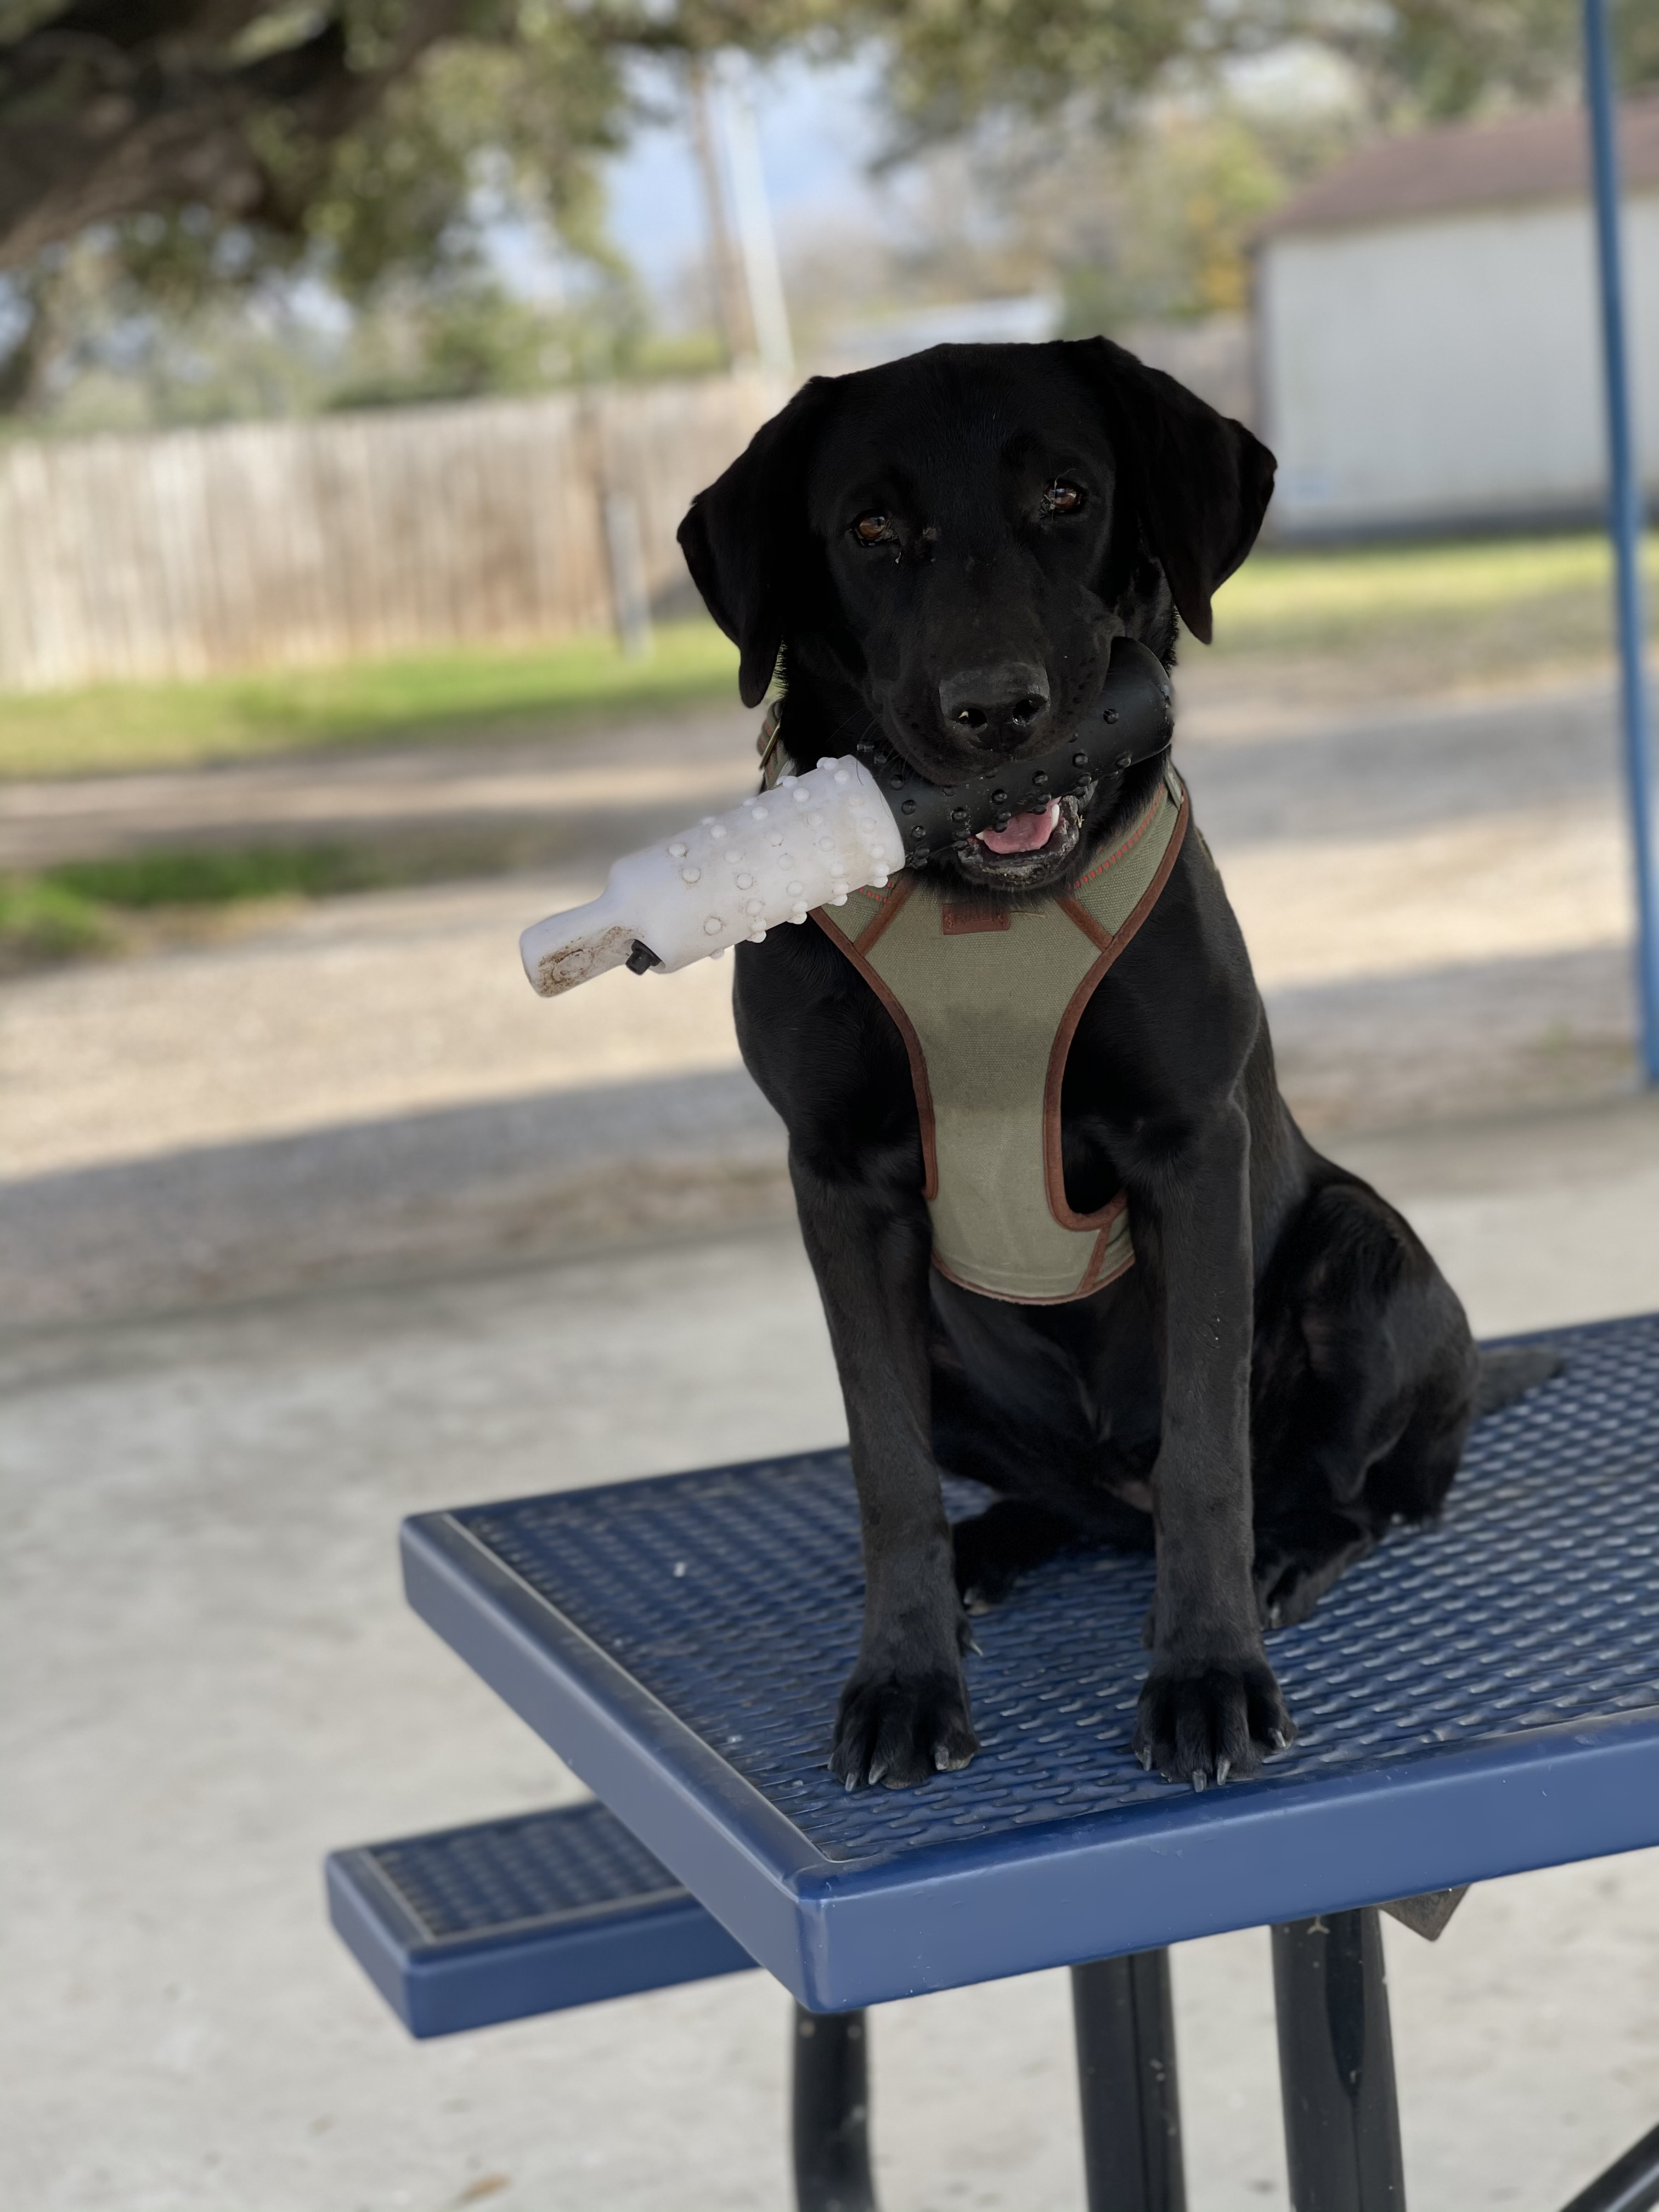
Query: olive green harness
[{"x": 987, "y": 1002}]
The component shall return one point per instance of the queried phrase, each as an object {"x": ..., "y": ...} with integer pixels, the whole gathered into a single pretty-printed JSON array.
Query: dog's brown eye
[
  {"x": 1061, "y": 498},
  {"x": 873, "y": 530}
]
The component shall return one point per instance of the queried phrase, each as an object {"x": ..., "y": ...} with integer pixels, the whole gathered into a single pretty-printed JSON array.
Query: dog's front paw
[
  {"x": 900, "y": 1729},
  {"x": 1201, "y": 1724}
]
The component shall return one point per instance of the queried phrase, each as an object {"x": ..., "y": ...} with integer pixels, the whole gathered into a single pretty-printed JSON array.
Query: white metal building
[{"x": 1429, "y": 350}]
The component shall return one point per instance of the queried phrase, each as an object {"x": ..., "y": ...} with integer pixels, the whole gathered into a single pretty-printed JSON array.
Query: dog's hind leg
[
  {"x": 1364, "y": 1384},
  {"x": 1297, "y": 1564},
  {"x": 994, "y": 1548}
]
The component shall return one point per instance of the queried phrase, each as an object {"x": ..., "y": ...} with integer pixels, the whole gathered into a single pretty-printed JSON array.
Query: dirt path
[{"x": 694, "y": 761}]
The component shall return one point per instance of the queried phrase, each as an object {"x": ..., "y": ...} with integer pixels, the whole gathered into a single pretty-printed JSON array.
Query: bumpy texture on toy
[
  {"x": 840, "y": 829},
  {"x": 806, "y": 843}
]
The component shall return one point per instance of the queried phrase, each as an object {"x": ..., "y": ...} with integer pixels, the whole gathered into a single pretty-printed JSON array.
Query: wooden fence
[{"x": 263, "y": 544}]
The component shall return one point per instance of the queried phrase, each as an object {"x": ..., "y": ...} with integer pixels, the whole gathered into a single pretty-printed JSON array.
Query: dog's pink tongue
[{"x": 1026, "y": 833}]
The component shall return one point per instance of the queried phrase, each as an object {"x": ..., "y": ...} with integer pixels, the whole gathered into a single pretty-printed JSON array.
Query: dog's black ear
[
  {"x": 745, "y": 538},
  {"x": 1201, "y": 481}
]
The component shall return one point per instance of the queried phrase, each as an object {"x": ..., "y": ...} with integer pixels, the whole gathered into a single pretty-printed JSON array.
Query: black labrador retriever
[{"x": 942, "y": 551}]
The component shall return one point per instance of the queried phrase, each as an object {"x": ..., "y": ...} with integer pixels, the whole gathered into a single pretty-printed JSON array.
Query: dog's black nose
[{"x": 996, "y": 705}]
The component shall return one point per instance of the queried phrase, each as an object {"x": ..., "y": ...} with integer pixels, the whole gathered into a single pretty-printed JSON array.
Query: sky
[{"x": 818, "y": 130}]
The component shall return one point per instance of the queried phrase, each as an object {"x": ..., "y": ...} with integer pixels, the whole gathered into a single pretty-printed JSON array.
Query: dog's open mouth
[{"x": 1029, "y": 850}]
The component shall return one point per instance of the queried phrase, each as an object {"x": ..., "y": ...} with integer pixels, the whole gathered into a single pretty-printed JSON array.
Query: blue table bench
[{"x": 1474, "y": 1700}]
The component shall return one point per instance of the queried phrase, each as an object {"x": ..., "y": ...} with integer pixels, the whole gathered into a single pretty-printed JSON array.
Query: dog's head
[{"x": 945, "y": 548}]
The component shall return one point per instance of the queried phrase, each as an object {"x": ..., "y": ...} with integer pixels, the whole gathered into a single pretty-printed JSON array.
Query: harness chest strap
[{"x": 987, "y": 1004}]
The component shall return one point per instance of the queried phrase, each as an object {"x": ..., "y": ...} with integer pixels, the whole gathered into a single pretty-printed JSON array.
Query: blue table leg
[
  {"x": 1336, "y": 2065},
  {"x": 831, "y": 2113},
  {"x": 1126, "y": 2062}
]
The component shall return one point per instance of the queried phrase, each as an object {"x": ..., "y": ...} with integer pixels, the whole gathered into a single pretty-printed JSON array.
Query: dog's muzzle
[{"x": 1132, "y": 720}]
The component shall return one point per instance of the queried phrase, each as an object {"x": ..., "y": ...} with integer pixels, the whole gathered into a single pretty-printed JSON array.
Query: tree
[
  {"x": 203, "y": 144},
  {"x": 110, "y": 108}
]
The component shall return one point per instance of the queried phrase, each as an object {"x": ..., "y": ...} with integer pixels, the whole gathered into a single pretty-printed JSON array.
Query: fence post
[{"x": 629, "y": 597}]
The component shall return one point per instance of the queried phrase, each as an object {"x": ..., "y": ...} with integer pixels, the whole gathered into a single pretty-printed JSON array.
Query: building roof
[{"x": 1543, "y": 155}]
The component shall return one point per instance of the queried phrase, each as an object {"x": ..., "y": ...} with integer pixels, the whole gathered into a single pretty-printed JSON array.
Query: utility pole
[
  {"x": 731, "y": 291},
  {"x": 769, "y": 313},
  {"x": 1624, "y": 514}
]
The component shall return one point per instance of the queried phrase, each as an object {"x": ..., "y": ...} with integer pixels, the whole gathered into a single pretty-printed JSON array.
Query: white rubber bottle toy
[
  {"x": 807, "y": 842},
  {"x": 846, "y": 825}
]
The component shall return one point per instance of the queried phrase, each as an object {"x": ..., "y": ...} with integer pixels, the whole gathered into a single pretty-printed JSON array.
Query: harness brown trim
[{"x": 1053, "y": 1161}]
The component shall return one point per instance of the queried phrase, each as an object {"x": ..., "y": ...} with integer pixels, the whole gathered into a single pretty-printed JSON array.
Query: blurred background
[{"x": 357, "y": 361}]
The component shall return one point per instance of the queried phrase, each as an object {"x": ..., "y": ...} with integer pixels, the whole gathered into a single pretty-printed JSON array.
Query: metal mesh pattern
[
  {"x": 733, "y": 1595},
  {"x": 502, "y": 1873}
]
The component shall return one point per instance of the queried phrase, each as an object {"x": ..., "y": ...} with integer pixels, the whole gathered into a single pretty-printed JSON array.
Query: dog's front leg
[
  {"x": 1210, "y": 1706},
  {"x": 904, "y": 1712}
]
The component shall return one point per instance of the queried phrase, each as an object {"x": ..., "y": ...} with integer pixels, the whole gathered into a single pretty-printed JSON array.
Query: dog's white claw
[
  {"x": 1144, "y": 1756},
  {"x": 1279, "y": 1739},
  {"x": 878, "y": 1768},
  {"x": 1200, "y": 1779},
  {"x": 1224, "y": 1767},
  {"x": 852, "y": 1783}
]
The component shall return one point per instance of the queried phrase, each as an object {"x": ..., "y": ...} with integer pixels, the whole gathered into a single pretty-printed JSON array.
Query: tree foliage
[
  {"x": 169, "y": 153},
  {"x": 1443, "y": 59},
  {"x": 359, "y": 124},
  {"x": 955, "y": 60}
]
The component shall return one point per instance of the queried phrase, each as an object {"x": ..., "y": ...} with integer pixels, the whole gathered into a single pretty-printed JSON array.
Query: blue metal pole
[{"x": 1625, "y": 519}]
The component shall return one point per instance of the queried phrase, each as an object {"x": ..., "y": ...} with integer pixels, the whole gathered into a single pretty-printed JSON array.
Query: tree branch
[{"x": 115, "y": 107}]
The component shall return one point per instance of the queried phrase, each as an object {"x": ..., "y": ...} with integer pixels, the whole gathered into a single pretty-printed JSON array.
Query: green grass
[
  {"x": 84, "y": 906},
  {"x": 42, "y": 920},
  {"x": 1542, "y": 598},
  {"x": 461, "y": 693},
  {"x": 204, "y": 877}
]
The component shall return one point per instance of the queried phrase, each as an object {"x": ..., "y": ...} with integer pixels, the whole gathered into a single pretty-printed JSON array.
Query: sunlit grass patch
[
  {"x": 113, "y": 905},
  {"x": 206, "y": 876},
  {"x": 43, "y": 920},
  {"x": 453, "y": 695},
  {"x": 1347, "y": 597}
]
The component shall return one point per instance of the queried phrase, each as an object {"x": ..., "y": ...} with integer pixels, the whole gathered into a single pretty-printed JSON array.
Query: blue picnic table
[{"x": 1474, "y": 1700}]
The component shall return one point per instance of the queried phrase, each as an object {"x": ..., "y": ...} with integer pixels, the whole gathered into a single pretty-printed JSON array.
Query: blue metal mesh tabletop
[{"x": 713, "y": 1615}]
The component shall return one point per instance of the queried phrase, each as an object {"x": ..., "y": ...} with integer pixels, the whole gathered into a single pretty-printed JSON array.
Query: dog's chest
[{"x": 987, "y": 1015}]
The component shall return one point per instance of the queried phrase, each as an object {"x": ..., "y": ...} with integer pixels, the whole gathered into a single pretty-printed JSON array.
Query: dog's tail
[{"x": 1509, "y": 1371}]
